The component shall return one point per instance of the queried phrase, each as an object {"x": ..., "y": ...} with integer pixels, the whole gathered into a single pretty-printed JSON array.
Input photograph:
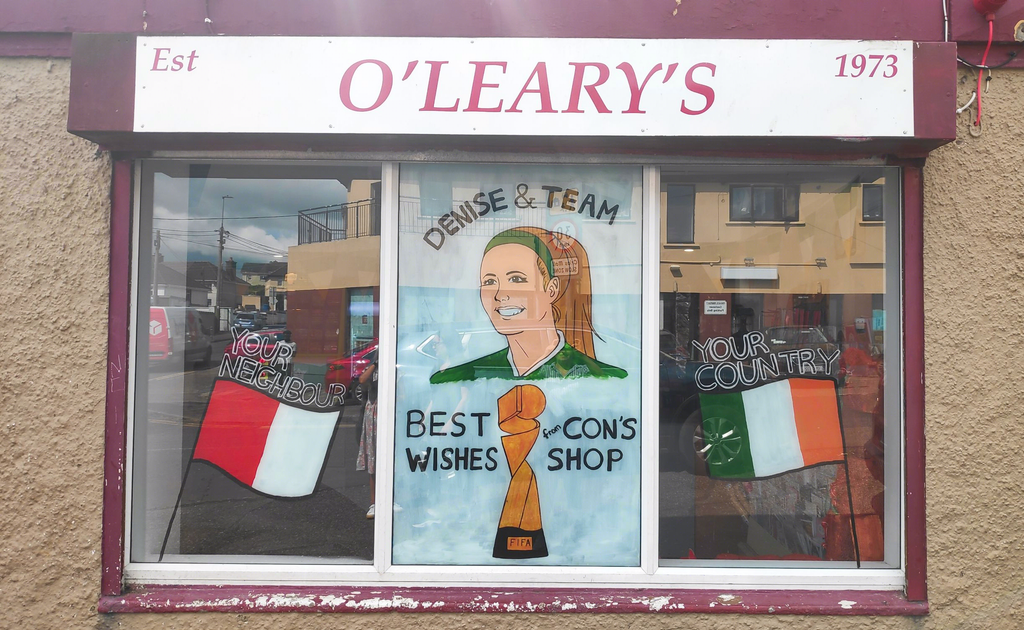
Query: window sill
[
  {"x": 733, "y": 223},
  {"x": 239, "y": 599}
]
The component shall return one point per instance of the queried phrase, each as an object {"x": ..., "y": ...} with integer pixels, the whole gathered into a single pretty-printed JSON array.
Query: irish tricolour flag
[
  {"x": 771, "y": 429},
  {"x": 271, "y": 446}
]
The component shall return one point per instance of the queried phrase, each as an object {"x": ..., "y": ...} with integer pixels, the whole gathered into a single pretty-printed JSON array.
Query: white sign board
[
  {"x": 715, "y": 307},
  {"x": 542, "y": 87}
]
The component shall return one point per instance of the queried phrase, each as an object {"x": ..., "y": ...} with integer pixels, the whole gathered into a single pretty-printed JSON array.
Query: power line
[
  {"x": 267, "y": 216},
  {"x": 178, "y": 232},
  {"x": 187, "y": 240},
  {"x": 234, "y": 249},
  {"x": 249, "y": 241},
  {"x": 244, "y": 241},
  {"x": 262, "y": 216}
]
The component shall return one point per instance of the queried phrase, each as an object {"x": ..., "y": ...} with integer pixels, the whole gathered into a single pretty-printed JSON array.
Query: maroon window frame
[{"x": 368, "y": 598}]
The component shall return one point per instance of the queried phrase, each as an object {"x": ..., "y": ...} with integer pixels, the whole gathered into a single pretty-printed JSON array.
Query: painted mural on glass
[{"x": 517, "y": 435}]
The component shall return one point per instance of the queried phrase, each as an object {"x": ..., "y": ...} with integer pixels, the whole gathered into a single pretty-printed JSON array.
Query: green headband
[{"x": 516, "y": 236}]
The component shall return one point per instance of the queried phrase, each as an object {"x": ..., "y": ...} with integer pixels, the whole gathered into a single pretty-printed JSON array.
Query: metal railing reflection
[{"x": 339, "y": 222}]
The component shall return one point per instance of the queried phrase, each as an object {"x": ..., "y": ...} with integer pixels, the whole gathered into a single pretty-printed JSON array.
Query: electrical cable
[
  {"x": 269, "y": 216},
  {"x": 240, "y": 249},
  {"x": 945, "y": 21},
  {"x": 214, "y": 245},
  {"x": 960, "y": 110},
  {"x": 180, "y": 232},
  {"x": 293, "y": 215},
  {"x": 246, "y": 245},
  {"x": 984, "y": 58},
  {"x": 254, "y": 246},
  {"x": 247, "y": 241},
  {"x": 266, "y": 252},
  {"x": 1010, "y": 57},
  {"x": 186, "y": 240}
]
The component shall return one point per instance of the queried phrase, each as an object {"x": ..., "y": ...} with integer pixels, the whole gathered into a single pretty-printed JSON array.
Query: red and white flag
[{"x": 274, "y": 447}]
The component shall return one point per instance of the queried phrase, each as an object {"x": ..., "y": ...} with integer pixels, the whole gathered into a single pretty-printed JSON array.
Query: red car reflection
[{"x": 347, "y": 369}]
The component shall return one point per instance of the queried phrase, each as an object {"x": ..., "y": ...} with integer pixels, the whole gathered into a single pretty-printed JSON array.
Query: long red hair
[{"x": 562, "y": 257}]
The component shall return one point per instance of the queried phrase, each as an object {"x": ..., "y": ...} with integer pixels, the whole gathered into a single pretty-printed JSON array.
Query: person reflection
[{"x": 535, "y": 288}]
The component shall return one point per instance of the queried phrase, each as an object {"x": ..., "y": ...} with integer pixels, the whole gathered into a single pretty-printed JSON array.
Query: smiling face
[{"x": 514, "y": 291}]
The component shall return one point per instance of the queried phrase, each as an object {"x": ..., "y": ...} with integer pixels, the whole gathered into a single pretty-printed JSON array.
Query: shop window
[
  {"x": 519, "y": 327},
  {"x": 779, "y": 407},
  {"x": 517, "y": 437},
  {"x": 764, "y": 203},
  {"x": 248, "y": 441},
  {"x": 872, "y": 202}
]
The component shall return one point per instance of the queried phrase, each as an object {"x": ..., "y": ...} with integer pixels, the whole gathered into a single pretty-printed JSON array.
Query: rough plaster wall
[
  {"x": 55, "y": 205},
  {"x": 53, "y": 246},
  {"x": 974, "y": 342}
]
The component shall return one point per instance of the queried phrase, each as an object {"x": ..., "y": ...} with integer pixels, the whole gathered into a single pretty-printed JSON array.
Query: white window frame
[{"x": 651, "y": 571}]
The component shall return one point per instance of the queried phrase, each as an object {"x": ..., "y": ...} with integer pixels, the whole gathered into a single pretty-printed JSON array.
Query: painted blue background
[{"x": 590, "y": 518}]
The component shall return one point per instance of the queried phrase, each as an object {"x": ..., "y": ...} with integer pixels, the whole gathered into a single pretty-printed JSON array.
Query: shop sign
[
  {"x": 715, "y": 307},
  {"x": 543, "y": 87}
]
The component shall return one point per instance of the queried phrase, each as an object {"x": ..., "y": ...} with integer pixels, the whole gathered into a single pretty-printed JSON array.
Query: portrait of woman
[{"x": 536, "y": 290}]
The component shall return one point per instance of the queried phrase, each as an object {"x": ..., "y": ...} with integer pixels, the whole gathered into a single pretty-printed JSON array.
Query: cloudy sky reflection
[{"x": 262, "y": 214}]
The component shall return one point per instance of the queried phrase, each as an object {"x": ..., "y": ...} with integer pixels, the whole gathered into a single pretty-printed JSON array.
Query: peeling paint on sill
[
  {"x": 396, "y": 602},
  {"x": 464, "y": 599},
  {"x": 657, "y": 604}
]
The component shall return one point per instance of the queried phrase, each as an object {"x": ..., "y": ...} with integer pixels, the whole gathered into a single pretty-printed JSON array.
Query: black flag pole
[
  {"x": 853, "y": 519},
  {"x": 846, "y": 468},
  {"x": 184, "y": 478},
  {"x": 174, "y": 512}
]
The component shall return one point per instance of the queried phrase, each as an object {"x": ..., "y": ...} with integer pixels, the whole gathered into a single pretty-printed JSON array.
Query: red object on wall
[
  {"x": 985, "y": 7},
  {"x": 967, "y": 26}
]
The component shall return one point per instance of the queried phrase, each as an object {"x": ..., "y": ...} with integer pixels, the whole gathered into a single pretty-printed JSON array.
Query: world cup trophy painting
[{"x": 520, "y": 532}]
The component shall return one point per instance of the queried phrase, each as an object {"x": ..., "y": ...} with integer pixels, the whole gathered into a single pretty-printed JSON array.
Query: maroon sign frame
[{"x": 102, "y": 102}]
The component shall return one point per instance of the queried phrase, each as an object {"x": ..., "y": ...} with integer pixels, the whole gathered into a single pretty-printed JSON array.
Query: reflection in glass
[
  {"x": 248, "y": 414},
  {"x": 679, "y": 214},
  {"x": 773, "y": 410}
]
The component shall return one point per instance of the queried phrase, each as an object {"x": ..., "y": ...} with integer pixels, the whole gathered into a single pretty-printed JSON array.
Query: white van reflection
[{"x": 180, "y": 335}]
